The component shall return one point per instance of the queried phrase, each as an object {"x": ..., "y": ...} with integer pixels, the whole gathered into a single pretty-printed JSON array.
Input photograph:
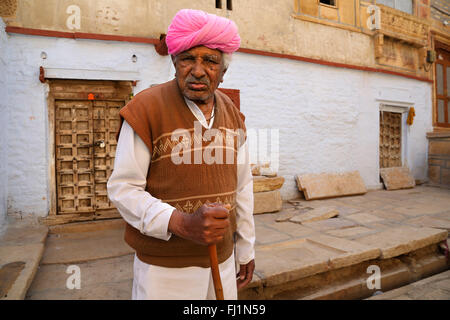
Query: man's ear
[{"x": 223, "y": 73}]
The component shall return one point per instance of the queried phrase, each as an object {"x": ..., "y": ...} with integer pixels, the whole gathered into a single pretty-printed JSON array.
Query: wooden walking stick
[{"x": 212, "y": 248}]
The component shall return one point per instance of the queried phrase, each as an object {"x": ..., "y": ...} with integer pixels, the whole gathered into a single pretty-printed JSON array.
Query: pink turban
[{"x": 191, "y": 28}]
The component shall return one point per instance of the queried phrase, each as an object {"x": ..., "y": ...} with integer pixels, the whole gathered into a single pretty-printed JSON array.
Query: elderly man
[{"x": 169, "y": 181}]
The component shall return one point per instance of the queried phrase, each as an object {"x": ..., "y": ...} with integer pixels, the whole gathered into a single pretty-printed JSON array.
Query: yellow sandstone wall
[{"x": 296, "y": 27}]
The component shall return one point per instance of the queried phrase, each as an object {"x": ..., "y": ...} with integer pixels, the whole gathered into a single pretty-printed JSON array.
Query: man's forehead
[{"x": 201, "y": 50}]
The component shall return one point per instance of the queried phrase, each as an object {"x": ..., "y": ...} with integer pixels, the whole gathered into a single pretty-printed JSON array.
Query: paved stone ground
[
  {"x": 378, "y": 225},
  {"x": 432, "y": 288}
]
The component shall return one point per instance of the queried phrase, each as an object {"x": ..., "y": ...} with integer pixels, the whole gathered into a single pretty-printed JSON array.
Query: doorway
[
  {"x": 390, "y": 139},
  {"x": 84, "y": 116}
]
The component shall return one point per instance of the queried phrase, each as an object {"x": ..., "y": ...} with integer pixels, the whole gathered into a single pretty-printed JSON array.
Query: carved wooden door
[
  {"x": 390, "y": 139},
  {"x": 85, "y": 148}
]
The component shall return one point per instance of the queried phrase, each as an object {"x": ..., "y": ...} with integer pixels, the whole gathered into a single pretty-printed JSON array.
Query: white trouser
[{"x": 190, "y": 283}]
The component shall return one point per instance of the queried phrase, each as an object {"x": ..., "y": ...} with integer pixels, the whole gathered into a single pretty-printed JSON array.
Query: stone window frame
[{"x": 335, "y": 6}]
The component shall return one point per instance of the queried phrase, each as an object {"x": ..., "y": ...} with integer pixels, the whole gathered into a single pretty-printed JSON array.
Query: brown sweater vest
[{"x": 154, "y": 114}]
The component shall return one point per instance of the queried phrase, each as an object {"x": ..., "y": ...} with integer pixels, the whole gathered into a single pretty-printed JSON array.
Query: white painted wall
[
  {"x": 327, "y": 117},
  {"x": 3, "y": 127}
]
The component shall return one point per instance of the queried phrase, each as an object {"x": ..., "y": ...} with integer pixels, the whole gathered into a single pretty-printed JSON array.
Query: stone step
[
  {"x": 261, "y": 184},
  {"x": 268, "y": 201},
  {"x": 21, "y": 249}
]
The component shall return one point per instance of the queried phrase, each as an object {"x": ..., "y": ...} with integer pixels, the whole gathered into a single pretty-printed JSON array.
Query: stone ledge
[
  {"x": 30, "y": 254},
  {"x": 22, "y": 243},
  {"x": 313, "y": 254},
  {"x": 400, "y": 240}
]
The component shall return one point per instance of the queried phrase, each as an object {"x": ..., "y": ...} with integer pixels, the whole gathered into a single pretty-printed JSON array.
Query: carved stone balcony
[{"x": 403, "y": 27}]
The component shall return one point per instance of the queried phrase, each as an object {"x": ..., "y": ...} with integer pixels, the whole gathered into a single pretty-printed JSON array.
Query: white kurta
[{"x": 126, "y": 190}]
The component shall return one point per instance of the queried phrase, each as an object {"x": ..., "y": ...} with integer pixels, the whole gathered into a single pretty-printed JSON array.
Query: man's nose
[{"x": 198, "y": 70}]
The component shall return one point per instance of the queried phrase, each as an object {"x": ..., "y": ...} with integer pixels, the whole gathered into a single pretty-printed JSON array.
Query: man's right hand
[{"x": 205, "y": 226}]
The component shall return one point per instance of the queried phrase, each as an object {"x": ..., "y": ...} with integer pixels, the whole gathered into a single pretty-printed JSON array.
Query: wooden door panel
[
  {"x": 106, "y": 125},
  {"x": 73, "y": 138},
  {"x": 390, "y": 139}
]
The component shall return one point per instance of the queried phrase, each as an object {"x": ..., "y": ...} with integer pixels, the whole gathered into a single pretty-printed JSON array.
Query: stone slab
[
  {"x": 397, "y": 178},
  {"x": 388, "y": 214},
  {"x": 292, "y": 260},
  {"x": 85, "y": 246},
  {"x": 87, "y": 226},
  {"x": 268, "y": 235},
  {"x": 427, "y": 221},
  {"x": 30, "y": 254},
  {"x": 353, "y": 252},
  {"x": 261, "y": 184},
  {"x": 17, "y": 235},
  {"x": 294, "y": 230},
  {"x": 286, "y": 214},
  {"x": 413, "y": 210},
  {"x": 265, "y": 202},
  {"x": 330, "y": 224},
  {"x": 315, "y": 215},
  {"x": 400, "y": 240},
  {"x": 109, "y": 278},
  {"x": 349, "y": 232},
  {"x": 328, "y": 185},
  {"x": 364, "y": 218}
]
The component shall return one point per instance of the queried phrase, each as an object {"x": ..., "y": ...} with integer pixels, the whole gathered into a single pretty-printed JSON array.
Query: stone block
[
  {"x": 434, "y": 173},
  {"x": 437, "y": 147},
  {"x": 397, "y": 178},
  {"x": 255, "y": 170},
  {"x": 268, "y": 201},
  {"x": 315, "y": 215},
  {"x": 400, "y": 240},
  {"x": 327, "y": 185},
  {"x": 436, "y": 162},
  {"x": 445, "y": 177},
  {"x": 261, "y": 184}
]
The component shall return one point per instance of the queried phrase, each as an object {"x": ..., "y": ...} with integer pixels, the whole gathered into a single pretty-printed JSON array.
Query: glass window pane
[
  {"x": 448, "y": 81},
  {"x": 440, "y": 111},
  {"x": 404, "y": 5},
  {"x": 389, "y": 3},
  {"x": 448, "y": 113},
  {"x": 439, "y": 79}
]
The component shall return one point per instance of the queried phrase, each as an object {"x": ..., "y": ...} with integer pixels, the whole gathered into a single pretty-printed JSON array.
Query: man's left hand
[{"x": 245, "y": 274}]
